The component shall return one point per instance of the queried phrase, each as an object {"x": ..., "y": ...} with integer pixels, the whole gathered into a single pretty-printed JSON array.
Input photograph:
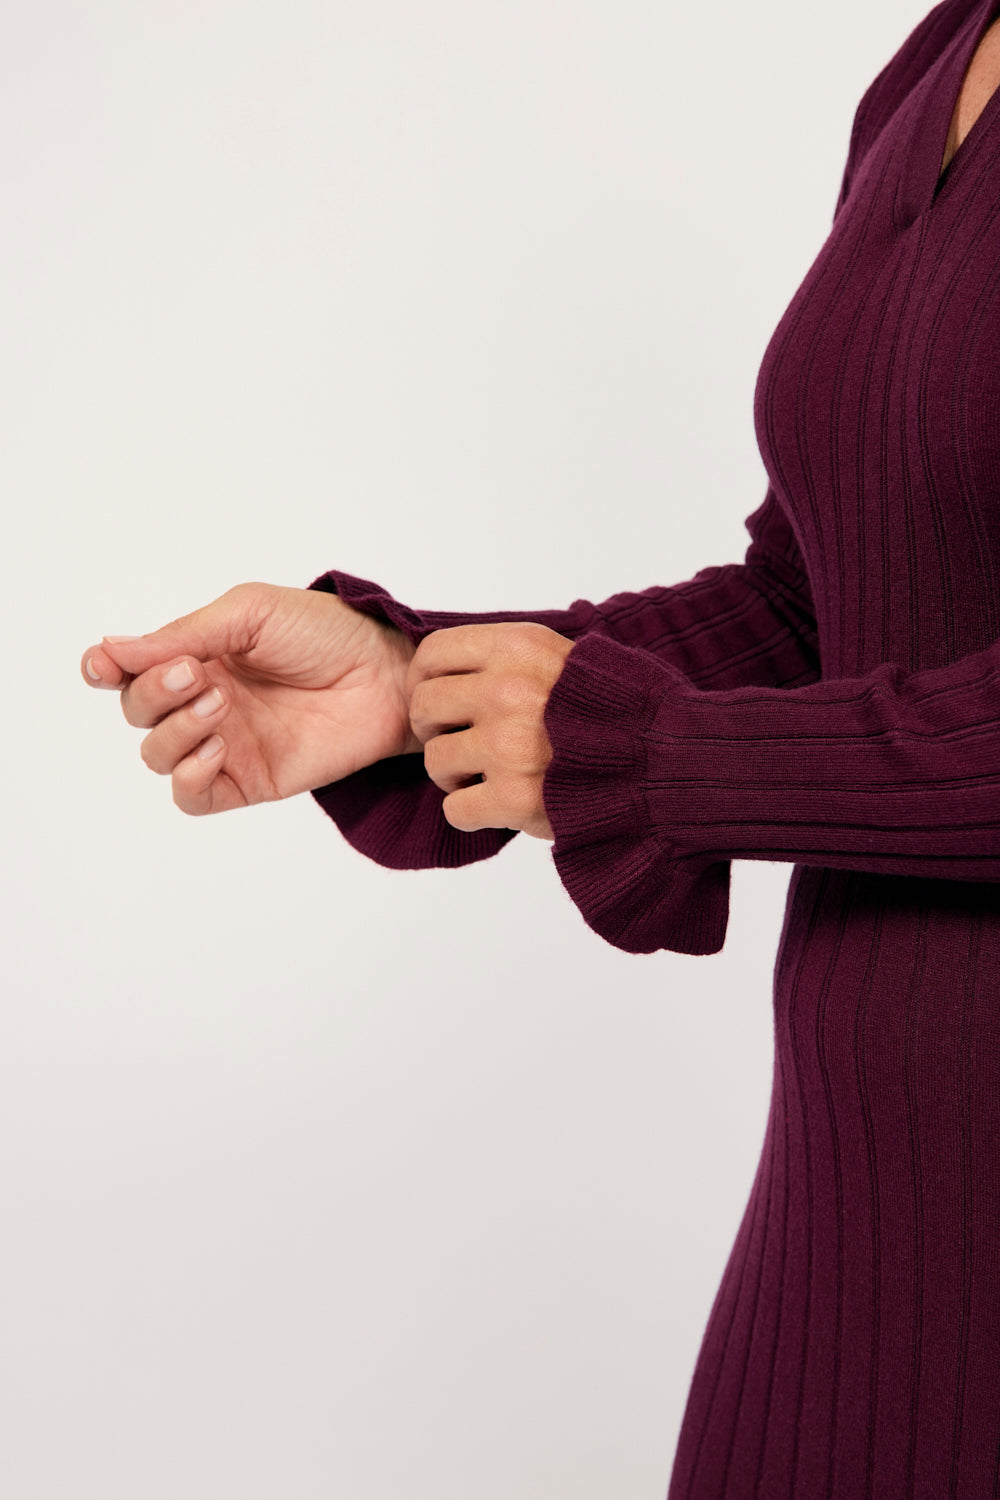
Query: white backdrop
[{"x": 320, "y": 1179}]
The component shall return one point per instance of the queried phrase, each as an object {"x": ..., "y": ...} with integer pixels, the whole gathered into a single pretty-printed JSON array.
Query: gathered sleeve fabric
[{"x": 731, "y": 625}]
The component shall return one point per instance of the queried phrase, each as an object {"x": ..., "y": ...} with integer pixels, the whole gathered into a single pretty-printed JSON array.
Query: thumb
[{"x": 230, "y": 623}]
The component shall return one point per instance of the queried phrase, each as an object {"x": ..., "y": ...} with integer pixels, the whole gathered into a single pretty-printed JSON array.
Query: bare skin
[
  {"x": 490, "y": 683},
  {"x": 267, "y": 692},
  {"x": 980, "y": 82}
]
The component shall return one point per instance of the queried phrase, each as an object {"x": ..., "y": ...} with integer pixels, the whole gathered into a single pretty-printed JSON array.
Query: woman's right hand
[{"x": 308, "y": 691}]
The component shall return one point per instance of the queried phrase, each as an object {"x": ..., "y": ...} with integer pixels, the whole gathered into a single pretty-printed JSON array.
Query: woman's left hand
[{"x": 477, "y": 697}]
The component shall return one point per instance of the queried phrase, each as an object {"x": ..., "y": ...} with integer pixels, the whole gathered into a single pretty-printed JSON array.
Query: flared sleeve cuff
[
  {"x": 632, "y": 884},
  {"x": 893, "y": 773},
  {"x": 391, "y": 811}
]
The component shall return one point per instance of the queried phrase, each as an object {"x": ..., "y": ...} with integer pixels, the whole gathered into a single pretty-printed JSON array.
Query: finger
[
  {"x": 454, "y": 760},
  {"x": 441, "y": 703},
  {"x": 474, "y": 807},
  {"x": 200, "y": 784},
  {"x": 459, "y": 648},
  {"x": 230, "y": 623},
  {"x": 154, "y": 694},
  {"x": 182, "y": 731},
  {"x": 99, "y": 671}
]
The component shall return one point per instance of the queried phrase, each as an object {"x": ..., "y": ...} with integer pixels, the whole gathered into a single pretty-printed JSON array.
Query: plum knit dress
[{"x": 832, "y": 701}]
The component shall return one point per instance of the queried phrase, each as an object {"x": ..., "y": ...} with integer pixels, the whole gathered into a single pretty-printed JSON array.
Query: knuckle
[
  {"x": 511, "y": 693},
  {"x": 130, "y": 706},
  {"x": 178, "y": 626},
  {"x": 418, "y": 701},
  {"x": 252, "y": 602},
  {"x": 426, "y": 648},
  {"x": 183, "y": 800},
  {"x": 520, "y": 797},
  {"x": 136, "y": 707},
  {"x": 448, "y": 809},
  {"x": 519, "y": 692},
  {"x": 451, "y": 807},
  {"x": 433, "y": 752},
  {"x": 525, "y": 640},
  {"x": 514, "y": 637},
  {"x": 418, "y": 664},
  {"x": 515, "y": 744}
]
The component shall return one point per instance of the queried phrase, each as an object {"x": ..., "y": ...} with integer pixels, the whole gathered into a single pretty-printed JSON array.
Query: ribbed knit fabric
[
  {"x": 741, "y": 623},
  {"x": 832, "y": 701}
]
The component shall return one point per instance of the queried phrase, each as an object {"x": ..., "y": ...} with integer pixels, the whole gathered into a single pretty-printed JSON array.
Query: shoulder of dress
[
  {"x": 907, "y": 66},
  {"x": 900, "y": 76}
]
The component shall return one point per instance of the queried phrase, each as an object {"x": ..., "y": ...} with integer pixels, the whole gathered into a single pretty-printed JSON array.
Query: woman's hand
[
  {"x": 263, "y": 693},
  {"x": 490, "y": 683}
]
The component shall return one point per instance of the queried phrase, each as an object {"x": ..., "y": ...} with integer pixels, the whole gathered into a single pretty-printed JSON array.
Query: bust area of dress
[{"x": 979, "y": 83}]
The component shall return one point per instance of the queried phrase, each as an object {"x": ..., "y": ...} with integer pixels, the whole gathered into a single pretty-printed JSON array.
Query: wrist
[{"x": 402, "y": 651}]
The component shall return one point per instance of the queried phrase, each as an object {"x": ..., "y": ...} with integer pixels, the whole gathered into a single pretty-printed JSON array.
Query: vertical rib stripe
[
  {"x": 965, "y": 1078},
  {"x": 826, "y": 992},
  {"x": 860, "y": 1054},
  {"x": 913, "y": 1126}
]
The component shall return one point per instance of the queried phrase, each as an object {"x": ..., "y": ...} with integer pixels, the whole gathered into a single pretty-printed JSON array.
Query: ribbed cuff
[{"x": 632, "y": 884}]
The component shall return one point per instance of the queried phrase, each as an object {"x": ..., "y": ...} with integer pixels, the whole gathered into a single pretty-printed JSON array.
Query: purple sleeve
[
  {"x": 894, "y": 772},
  {"x": 729, "y": 626},
  {"x": 391, "y": 811}
]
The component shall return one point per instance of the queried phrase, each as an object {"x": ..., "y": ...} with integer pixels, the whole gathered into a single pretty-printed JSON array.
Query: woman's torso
[{"x": 853, "y": 1352}]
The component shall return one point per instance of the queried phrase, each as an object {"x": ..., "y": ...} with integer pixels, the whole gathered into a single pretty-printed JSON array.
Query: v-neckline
[{"x": 938, "y": 128}]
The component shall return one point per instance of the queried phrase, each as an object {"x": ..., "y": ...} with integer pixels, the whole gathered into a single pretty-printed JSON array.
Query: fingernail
[
  {"x": 211, "y": 748},
  {"x": 94, "y": 676},
  {"x": 114, "y": 639},
  {"x": 179, "y": 677},
  {"x": 208, "y": 703}
]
